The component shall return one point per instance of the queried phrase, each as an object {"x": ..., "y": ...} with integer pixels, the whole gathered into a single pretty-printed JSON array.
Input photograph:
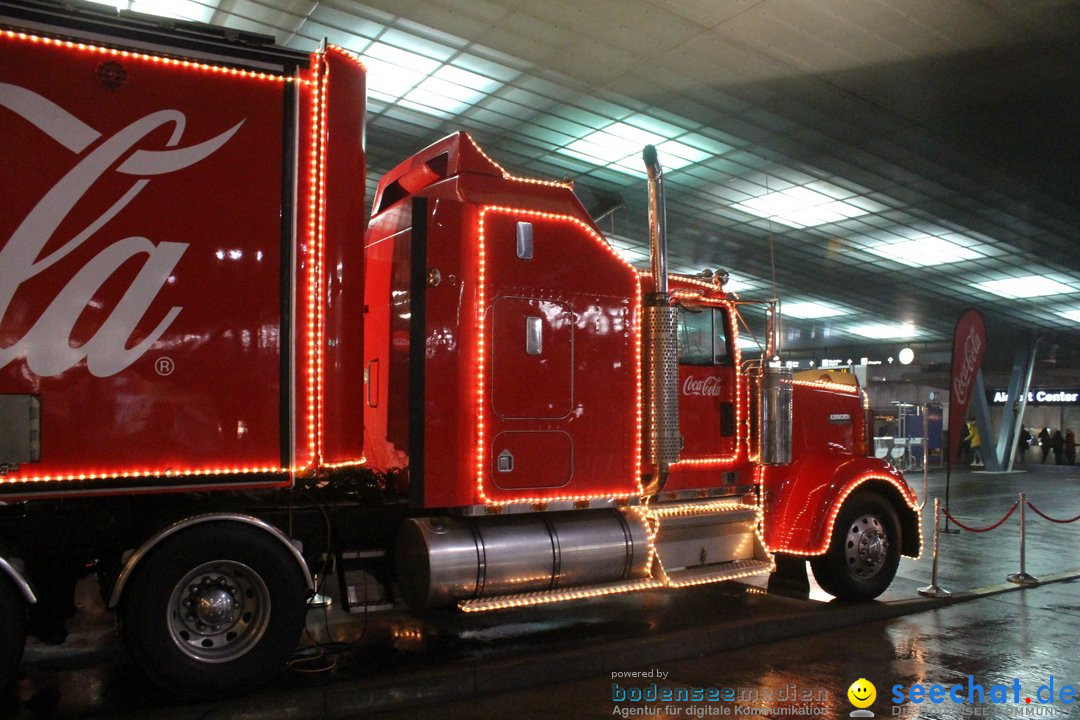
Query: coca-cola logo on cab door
[
  {"x": 46, "y": 346},
  {"x": 709, "y": 386}
]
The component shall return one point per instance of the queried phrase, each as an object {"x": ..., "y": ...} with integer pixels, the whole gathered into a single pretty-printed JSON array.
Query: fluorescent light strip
[
  {"x": 799, "y": 207},
  {"x": 924, "y": 251},
  {"x": 451, "y": 90},
  {"x": 811, "y": 310},
  {"x": 884, "y": 331},
  {"x": 619, "y": 146},
  {"x": 176, "y": 9},
  {"x": 1027, "y": 286}
]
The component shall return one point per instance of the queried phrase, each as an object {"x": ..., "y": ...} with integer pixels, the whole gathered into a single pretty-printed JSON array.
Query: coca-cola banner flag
[{"x": 969, "y": 346}]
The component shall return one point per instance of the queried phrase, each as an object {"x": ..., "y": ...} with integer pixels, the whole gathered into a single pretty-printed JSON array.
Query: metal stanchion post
[
  {"x": 926, "y": 454},
  {"x": 1022, "y": 578},
  {"x": 933, "y": 589}
]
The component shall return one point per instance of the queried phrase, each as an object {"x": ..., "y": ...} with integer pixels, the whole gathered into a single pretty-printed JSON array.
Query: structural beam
[{"x": 999, "y": 451}]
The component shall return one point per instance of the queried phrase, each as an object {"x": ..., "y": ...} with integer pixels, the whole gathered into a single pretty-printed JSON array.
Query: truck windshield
[{"x": 702, "y": 336}]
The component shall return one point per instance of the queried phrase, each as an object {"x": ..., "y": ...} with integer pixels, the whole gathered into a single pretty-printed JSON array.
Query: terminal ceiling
[{"x": 902, "y": 160}]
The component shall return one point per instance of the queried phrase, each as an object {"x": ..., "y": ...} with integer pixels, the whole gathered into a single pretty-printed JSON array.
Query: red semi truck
[{"x": 212, "y": 377}]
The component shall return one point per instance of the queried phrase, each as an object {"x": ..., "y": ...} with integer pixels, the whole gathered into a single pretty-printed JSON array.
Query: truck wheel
[
  {"x": 864, "y": 551},
  {"x": 216, "y": 609},
  {"x": 12, "y": 631}
]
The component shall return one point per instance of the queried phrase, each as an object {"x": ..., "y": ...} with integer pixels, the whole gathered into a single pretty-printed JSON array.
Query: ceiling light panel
[
  {"x": 418, "y": 45},
  {"x": 502, "y": 73},
  {"x": 176, "y": 9},
  {"x": 811, "y": 310},
  {"x": 327, "y": 21},
  {"x": 884, "y": 331},
  {"x": 450, "y": 91},
  {"x": 421, "y": 82},
  {"x": 710, "y": 147},
  {"x": 1028, "y": 286},
  {"x": 923, "y": 251},
  {"x": 118, "y": 4},
  {"x": 619, "y": 145},
  {"x": 392, "y": 72},
  {"x": 800, "y": 207},
  {"x": 680, "y": 151}
]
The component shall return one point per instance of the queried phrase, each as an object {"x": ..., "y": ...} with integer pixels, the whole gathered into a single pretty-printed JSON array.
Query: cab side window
[{"x": 702, "y": 336}]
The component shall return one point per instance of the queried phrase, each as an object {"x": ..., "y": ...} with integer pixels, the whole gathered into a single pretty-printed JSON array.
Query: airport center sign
[{"x": 1042, "y": 396}]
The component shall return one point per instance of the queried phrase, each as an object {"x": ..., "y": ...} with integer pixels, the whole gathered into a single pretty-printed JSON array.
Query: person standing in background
[
  {"x": 1057, "y": 444},
  {"x": 1044, "y": 443},
  {"x": 963, "y": 451},
  {"x": 1070, "y": 447},
  {"x": 975, "y": 439}
]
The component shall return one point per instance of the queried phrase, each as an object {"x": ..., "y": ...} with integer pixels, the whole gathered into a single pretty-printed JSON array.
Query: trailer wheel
[
  {"x": 214, "y": 610},
  {"x": 864, "y": 550},
  {"x": 12, "y": 631}
]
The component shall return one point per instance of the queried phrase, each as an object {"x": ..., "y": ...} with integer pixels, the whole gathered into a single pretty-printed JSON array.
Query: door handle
[
  {"x": 534, "y": 336},
  {"x": 371, "y": 378}
]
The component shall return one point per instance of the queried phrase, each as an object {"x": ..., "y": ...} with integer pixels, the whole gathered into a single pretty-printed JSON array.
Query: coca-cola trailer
[{"x": 212, "y": 377}]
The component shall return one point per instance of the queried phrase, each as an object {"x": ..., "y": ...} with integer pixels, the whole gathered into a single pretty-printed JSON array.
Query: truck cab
[{"x": 511, "y": 384}]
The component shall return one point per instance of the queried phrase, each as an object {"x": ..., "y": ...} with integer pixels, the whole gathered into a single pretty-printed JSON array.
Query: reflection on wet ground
[
  {"x": 997, "y": 640},
  {"x": 405, "y": 661}
]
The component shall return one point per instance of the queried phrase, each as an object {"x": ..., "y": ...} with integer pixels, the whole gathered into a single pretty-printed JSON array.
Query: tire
[
  {"x": 12, "y": 631},
  {"x": 864, "y": 550},
  {"x": 216, "y": 609}
]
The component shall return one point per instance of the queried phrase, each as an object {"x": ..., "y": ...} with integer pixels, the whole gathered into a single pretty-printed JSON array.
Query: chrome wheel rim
[
  {"x": 218, "y": 611},
  {"x": 866, "y": 546}
]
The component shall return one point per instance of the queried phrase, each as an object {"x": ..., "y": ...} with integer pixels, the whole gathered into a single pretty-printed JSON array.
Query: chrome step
[
  {"x": 720, "y": 572},
  {"x": 705, "y": 534},
  {"x": 723, "y": 507}
]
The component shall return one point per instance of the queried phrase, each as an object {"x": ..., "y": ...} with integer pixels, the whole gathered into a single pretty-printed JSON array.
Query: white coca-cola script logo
[
  {"x": 709, "y": 386},
  {"x": 963, "y": 383},
  {"x": 46, "y": 346}
]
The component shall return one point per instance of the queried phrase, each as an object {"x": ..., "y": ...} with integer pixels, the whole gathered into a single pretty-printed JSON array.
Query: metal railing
[{"x": 1022, "y": 577}]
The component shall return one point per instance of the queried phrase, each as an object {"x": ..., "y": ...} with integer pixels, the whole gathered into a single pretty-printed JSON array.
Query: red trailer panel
[
  {"x": 341, "y": 336},
  {"x": 148, "y": 296}
]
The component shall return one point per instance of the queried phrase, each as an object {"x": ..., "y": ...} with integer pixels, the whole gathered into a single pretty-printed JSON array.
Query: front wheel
[
  {"x": 215, "y": 609},
  {"x": 864, "y": 550}
]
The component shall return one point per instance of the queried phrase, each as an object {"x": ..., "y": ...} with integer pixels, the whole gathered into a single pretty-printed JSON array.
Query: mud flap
[{"x": 790, "y": 579}]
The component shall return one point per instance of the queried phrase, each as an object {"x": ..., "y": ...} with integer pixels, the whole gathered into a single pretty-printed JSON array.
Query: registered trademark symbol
[{"x": 164, "y": 366}]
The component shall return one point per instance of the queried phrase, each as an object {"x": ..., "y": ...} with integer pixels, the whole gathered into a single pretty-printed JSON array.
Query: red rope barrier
[
  {"x": 985, "y": 529},
  {"x": 1044, "y": 516}
]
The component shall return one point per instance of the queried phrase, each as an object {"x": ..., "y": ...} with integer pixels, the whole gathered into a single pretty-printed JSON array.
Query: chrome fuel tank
[{"x": 444, "y": 560}]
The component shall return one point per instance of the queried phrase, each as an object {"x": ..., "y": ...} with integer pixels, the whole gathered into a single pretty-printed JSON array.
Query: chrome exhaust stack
[
  {"x": 663, "y": 440},
  {"x": 774, "y": 406},
  {"x": 657, "y": 220},
  {"x": 772, "y": 331}
]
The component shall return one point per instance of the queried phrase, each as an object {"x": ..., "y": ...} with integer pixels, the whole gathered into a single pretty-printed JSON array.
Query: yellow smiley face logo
[{"x": 862, "y": 693}]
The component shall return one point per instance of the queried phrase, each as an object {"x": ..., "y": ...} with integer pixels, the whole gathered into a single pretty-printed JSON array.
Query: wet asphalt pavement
[
  {"x": 744, "y": 653},
  {"x": 1028, "y": 636}
]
